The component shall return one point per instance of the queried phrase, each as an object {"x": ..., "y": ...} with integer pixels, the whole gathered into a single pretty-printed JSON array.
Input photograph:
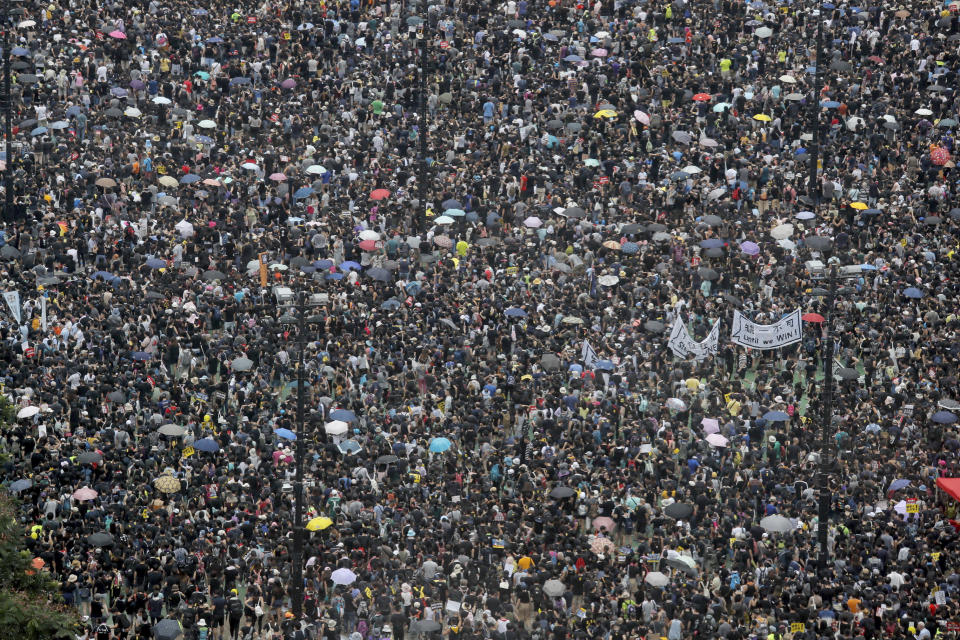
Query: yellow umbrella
[
  {"x": 605, "y": 113},
  {"x": 167, "y": 484},
  {"x": 319, "y": 523},
  {"x": 859, "y": 206},
  {"x": 762, "y": 117}
]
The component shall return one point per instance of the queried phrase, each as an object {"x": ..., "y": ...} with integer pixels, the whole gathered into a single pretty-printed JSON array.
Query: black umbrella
[
  {"x": 562, "y": 492},
  {"x": 712, "y": 221},
  {"x": 167, "y": 629},
  {"x": 386, "y": 459},
  {"x": 628, "y": 229},
  {"x": 425, "y": 626},
  {"x": 931, "y": 220},
  {"x": 656, "y": 227},
  {"x": 90, "y": 457},
  {"x": 210, "y": 276},
  {"x": 100, "y": 539},
  {"x": 654, "y": 326},
  {"x": 678, "y": 511},
  {"x": 818, "y": 243},
  {"x": 846, "y": 373},
  {"x": 116, "y": 396},
  {"x": 708, "y": 274},
  {"x": 550, "y": 362},
  {"x": 379, "y": 274},
  {"x": 713, "y": 252}
]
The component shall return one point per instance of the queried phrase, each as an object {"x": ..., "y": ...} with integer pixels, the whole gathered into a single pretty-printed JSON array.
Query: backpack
[{"x": 236, "y": 607}]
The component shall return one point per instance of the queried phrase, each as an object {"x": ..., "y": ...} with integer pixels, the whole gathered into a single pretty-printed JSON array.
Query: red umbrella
[
  {"x": 379, "y": 194},
  {"x": 702, "y": 97},
  {"x": 368, "y": 245},
  {"x": 812, "y": 317},
  {"x": 939, "y": 156}
]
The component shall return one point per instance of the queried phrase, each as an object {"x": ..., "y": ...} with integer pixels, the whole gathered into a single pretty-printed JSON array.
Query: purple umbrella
[
  {"x": 136, "y": 85},
  {"x": 750, "y": 248},
  {"x": 289, "y": 83}
]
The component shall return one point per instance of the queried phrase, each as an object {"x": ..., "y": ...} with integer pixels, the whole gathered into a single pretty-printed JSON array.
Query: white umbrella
[
  {"x": 336, "y": 428},
  {"x": 132, "y": 112},
  {"x": 369, "y": 234},
  {"x": 28, "y": 412},
  {"x": 206, "y": 124},
  {"x": 923, "y": 112},
  {"x": 789, "y": 245},
  {"x": 656, "y": 579},
  {"x": 788, "y": 79},
  {"x": 691, "y": 169},
  {"x": 608, "y": 280},
  {"x": 716, "y": 440},
  {"x": 184, "y": 228},
  {"x": 782, "y": 232},
  {"x": 444, "y": 220},
  {"x": 716, "y": 193},
  {"x": 161, "y": 100},
  {"x": 316, "y": 169},
  {"x": 252, "y": 166},
  {"x": 763, "y": 32},
  {"x": 777, "y": 524},
  {"x": 533, "y": 222},
  {"x": 853, "y": 122},
  {"x": 343, "y": 576},
  {"x": 676, "y": 403}
]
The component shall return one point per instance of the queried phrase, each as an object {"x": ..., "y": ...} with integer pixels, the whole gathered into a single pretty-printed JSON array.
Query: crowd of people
[{"x": 453, "y": 237}]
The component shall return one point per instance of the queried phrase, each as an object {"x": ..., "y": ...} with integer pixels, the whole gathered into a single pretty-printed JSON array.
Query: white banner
[
  {"x": 43, "y": 313},
  {"x": 589, "y": 356},
  {"x": 13, "y": 301},
  {"x": 785, "y": 331},
  {"x": 683, "y": 345}
]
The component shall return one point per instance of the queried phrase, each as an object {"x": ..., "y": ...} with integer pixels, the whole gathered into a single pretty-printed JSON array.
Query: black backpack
[{"x": 236, "y": 607}]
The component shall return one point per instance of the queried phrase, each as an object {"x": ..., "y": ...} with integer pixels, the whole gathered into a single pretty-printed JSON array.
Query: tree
[{"x": 30, "y": 604}]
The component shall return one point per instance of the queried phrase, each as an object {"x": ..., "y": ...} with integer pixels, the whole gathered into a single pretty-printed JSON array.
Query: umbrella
[
  {"x": 600, "y": 544},
  {"x": 656, "y": 578},
  {"x": 777, "y": 524},
  {"x": 319, "y": 523},
  {"x": 554, "y": 588},
  {"x": 335, "y": 428},
  {"x": 84, "y": 494},
  {"x": 750, "y": 248},
  {"x": 343, "y": 414},
  {"x": 716, "y": 440},
  {"x": 713, "y": 221},
  {"x": 515, "y": 312},
  {"x": 944, "y": 417},
  {"x": 167, "y": 629},
  {"x": 171, "y": 430},
  {"x": 207, "y": 445},
  {"x": 286, "y": 434},
  {"x": 423, "y": 626},
  {"x": 561, "y": 492},
  {"x": 20, "y": 485},
  {"x": 701, "y": 97},
  {"x": 349, "y": 447},
  {"x": 28, "y": 412},
  {"x": 776, "y": 416},
  {"x": 604, "y": 523},
  {"x": 678, "y": 511},
  {"x": 167, "y": 484},
  {"x": 100, "y": 539},
  {"x": 818, "y": 243},
  {"x": 439, "y": 445},
  {"x": 710, "y": 425},
  {"x": 812, "y": 317},
  {"x": 898, "y": 484},
  {"x": 913, "y": 292},
  {"x": 654, "y": 326},
  {"x": 106, "y": 183},
  {"x": 782, "y": 231},
  {"x": 533, "y": 222},
  {"x": 242, "y": 364},
  {"x": 763, "y": 32},
  {"x": 846, "y": 373},
  {"x": 708, "y": 274},
  {"x": 343, "y": 576}
]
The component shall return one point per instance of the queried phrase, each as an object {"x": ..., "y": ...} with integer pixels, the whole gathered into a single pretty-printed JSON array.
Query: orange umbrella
[
  {"x": 812, "y": 317},
  {"x": 379, "y": 194},
  {"x": 702, "y": 97}
]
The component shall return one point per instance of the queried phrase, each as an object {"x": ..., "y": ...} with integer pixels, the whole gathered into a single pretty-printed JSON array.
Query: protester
[{"x": 499, "y": 440}]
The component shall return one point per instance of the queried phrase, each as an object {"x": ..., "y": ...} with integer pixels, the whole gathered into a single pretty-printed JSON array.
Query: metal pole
[
  {"x": 813, "y": 188},
  {"x": 826, "y": 397},
  {"x": 424, "y": 171},
  {"x": 8, "y": 172},
  {"x": 296, "y": 587}
]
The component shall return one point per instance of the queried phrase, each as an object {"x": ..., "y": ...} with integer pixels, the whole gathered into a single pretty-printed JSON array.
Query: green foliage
[{"x": 30, "y": 607}]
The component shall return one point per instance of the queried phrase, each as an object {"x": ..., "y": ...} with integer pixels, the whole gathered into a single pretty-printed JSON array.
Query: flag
[{"x": 589, "y": 356}]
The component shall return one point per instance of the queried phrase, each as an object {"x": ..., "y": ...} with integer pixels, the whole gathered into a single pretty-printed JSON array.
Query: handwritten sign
[
  {"x": 797, "y": 627},
  {"x": 189, "y": 451},
  {"x": 912, "y": 506}
]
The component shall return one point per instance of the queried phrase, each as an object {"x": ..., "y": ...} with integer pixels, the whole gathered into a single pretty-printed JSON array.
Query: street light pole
[
  {"x": 8, "y": 169},
  {"x": 813, "y": 189},
  {"x": 296, "y": 557},
  {"x": 826, "y": 399},
  {"x": 423, "y": 175}
]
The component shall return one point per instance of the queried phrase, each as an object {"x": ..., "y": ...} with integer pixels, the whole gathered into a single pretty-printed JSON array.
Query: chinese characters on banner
[
  {"x": 683, "y": 345},
  {"x": 786, "y": 331}
]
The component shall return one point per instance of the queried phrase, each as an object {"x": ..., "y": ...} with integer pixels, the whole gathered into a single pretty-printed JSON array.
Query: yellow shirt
[{"x": 525, "y": 563}]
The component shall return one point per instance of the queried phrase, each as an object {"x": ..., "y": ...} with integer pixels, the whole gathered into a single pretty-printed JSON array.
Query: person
[{"x": 234, "y": 609}]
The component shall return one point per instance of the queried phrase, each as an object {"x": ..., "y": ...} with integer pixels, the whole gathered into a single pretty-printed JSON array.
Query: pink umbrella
[
  {"x": 368, "y": 245},
  {"x": 710, "y": 425},
  {"x": 289, "y": 83},
  {"x": 599, "y": 53},
  {"x": 939, "y": 156},
  {"x": 119, "y": 35},
  {"x": 716, "y": 440},
  {"x": 278, "y": 177},
  {"x": 603, "y": 523},
  {"x": 82, "y": 495},
  {"x": 212, "y": 182},
  {"x": 599, "y": 544},
  {"x": 641, "y": 117}
]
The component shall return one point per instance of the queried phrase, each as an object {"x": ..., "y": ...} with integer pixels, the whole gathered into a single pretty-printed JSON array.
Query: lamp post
[
  {"x": 8, "y": 169},
  {"x": 296, "y": 555},
  {"x": 813, "y": 189},
  {"x": 424, "y": 171},
  {"x": 826, "y": 398}
]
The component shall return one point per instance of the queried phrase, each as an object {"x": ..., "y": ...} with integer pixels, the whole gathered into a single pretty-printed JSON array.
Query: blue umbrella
[
  {"x": 286, "y": 434},
  {"x": 455, "y": 213},
  {"x": 603, "y": 365},
  {"x": 119, "y": 92},
  {"x": 214, "y": 40},
  {"x": 59, "y": 124},
  {"x": 302, "y": 192},
  {"x": 712, "y": 243},
  {"x": 38, "y": 131},
  {"x": 576, "y": 368},
  {"x": 141, "y": 355},
  {"x": 451, "y": 204},
  {"x": 323, "y": 264},
  {"x": 630, "y": 248},
  {"x": 348, "y": 447},
  {"x": 156, "y": 263},
  {"x": 898, "y": 484},
  {"x": 190, "y": 178},
  {"x": 106, "y": 277},
  {"x": 515, "y": 312},
  {"x": 73, "y": 111},
  {"x": 209, "y": 445},
  {"x": 829, "y": 104},
  {"x": 348, "y": 265},
  {"x": 913, "y": 292},
  {"x": 343, "y": 414},
  {"x": 20, "y": 485},
  {"x": 573, "y": 58},
  {"x": 776, "y": 416},
  {"x": 867, "y": 267},
  {"x": 871, "y": 212},
  {"x": 203, "y": 139},
  {"x": 439, "y": 445},
  {"x": 240, "y": 80},
  {"x": 20, "y": 51},
  {"x": 199, "y": 12},
  {"x": 873, "y": 427},
  {"x": 413, "y": 288},
  {"x": 390, "y": 304},
  {"x": 944, "y": 417},
  {"x": 334, "y": 276}
]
